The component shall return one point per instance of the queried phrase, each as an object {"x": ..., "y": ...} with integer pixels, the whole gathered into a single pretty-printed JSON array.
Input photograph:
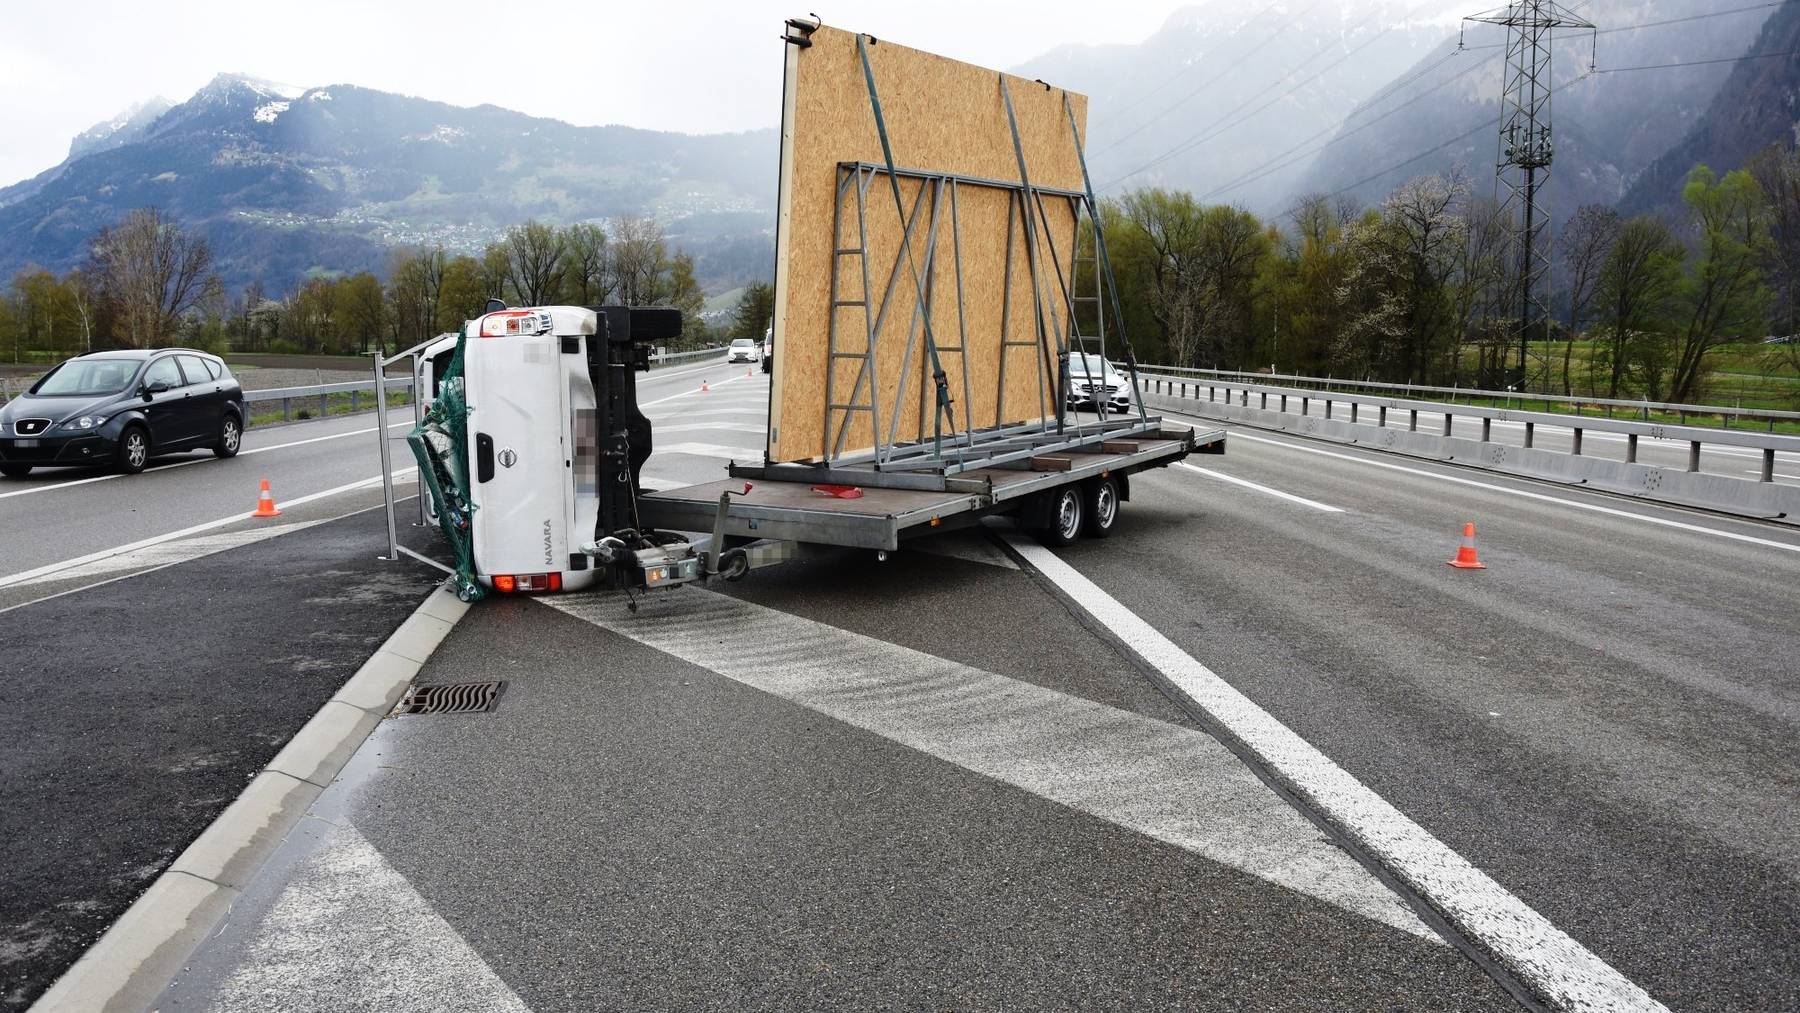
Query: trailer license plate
[{"x": 25, "y": 444}]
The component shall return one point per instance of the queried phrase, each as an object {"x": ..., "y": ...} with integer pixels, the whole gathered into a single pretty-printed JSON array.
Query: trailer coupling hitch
[{"x": 732, "y": 564}]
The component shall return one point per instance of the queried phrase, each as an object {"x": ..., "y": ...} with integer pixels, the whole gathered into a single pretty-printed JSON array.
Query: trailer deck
[{"x": 784, "y": 502}]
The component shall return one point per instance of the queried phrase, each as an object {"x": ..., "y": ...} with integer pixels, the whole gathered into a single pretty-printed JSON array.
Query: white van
[{"x": 531, "y": 434}]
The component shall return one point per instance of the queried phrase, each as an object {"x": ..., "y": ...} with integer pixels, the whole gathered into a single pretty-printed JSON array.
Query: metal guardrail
[
  {"x": 322, "y": 392},
  {"x": 1179, "y": 384},
  {"x": 1642, "y": 408}
]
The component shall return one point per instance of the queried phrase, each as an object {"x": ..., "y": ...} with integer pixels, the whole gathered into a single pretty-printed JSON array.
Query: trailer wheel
[
  {"x": 734, "y": 564},
  {"x": 1064, "y": 519},
  {"x": 1102, "y": 513}
]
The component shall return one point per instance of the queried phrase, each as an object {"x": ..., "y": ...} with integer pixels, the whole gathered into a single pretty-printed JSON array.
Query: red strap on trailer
[{"x": 840, "y": 491}]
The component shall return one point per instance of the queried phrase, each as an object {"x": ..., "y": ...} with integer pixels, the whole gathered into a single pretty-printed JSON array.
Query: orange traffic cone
[
  {"x": 748, "y": 372},
  {"x": 1466, "y": 559},
  {"x": 703, "y": 387},
  {"x": 265, "y": 503}
]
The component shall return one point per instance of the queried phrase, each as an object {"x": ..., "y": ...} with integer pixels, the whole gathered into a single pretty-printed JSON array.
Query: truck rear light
[
  {"x": 509, "y": 323},
  {"x": 527, "y": 583}
]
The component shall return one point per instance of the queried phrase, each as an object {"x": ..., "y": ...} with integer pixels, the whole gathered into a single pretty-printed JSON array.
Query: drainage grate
[{"x": 456, "y": 698}]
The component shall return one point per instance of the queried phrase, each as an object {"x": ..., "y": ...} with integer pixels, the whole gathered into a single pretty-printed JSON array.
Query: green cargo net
[{"x": 441, "y": 445}]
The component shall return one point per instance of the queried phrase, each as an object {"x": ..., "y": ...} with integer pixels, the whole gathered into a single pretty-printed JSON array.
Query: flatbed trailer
[{"x": 816, "y": 506}]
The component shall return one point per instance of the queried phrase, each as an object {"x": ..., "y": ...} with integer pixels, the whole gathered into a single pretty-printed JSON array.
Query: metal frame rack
[{"x": 1058, "y": 309}]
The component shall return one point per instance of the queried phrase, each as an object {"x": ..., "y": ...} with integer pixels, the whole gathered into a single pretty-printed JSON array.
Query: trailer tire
[
  {"x": 1063, "y": 520},
  {"x": 734, "y": 564},
  {"x": 1101, "y": 503}
]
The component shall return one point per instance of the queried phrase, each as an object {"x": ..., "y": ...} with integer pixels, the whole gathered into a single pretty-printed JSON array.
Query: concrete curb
[
  {"x": 128, "y": 967},
  {"x": 1695, "y": 490}
]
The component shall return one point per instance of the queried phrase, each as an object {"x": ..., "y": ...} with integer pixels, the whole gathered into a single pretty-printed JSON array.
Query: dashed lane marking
[
  {"x": 691, "y": 391},
  {"x": 246, "y": 452},
  {"x": 1563, "y": 973},
  {"x": 1277, "y": 493},
  {"x": 1174, "y": 784}
]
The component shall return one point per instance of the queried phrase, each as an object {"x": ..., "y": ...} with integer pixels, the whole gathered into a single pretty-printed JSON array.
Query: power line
[
  {"x": 1209, "y": 82},
  {"x": 1270, "y": 165},
  {"x": 1568, "y": 84},
  {"x": 1209, "y": 131},
  {"x": 1696, "y": 63}
]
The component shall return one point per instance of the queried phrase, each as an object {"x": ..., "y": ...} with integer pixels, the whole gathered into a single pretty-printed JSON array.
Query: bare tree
[
  {"x": 152, "y": 271},
  {"x": 640, "y": 261},
  {"x": 534, "y": 253},
  {"x": 587, "y": 274},
  {"x": 1586, "y": 242}
]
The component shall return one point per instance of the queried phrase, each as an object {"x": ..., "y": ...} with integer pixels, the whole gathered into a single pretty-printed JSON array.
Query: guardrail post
[
  {"x": 1768, "y": 469},
  {"x": 1353, "y": 412},
  {"x": 1328, "y": 408},
  {"x": 1246, "y": 398},
  {"x": 1212, "y": 393},
  {"x": 1284, "y": 403},
  {"x": 287, "y": 409},
  {"x": 1265, "y": 400},
  {"x": 1487, "y": 429},
  {"x": 1412, "y": 420},
  {"x": 387, "y": 470},
  {"x": 1575, "y": 445},
  {"x": 324, "y": 407},
  {"x": 1447, "y": 420},
  {"x": 1631, "y": 448},
  {"x": 1303, "y": 403},
  {"x": 1381, "y": 420},
  {"x": 1530, "y": 430},
  {"x": 355, "y": 400},
  {"x": 1693, "y": 455}
]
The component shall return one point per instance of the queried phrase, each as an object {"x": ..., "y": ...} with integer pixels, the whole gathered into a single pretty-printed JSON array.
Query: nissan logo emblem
[{"x": 508, "y": 458}]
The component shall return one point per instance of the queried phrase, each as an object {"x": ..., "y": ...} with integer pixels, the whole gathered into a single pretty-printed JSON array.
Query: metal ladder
[{"x": 851, "y": 179}]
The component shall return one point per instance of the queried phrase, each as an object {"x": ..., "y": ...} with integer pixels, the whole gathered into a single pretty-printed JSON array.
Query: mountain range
[
  {"x": 1237, "y": 105},
  {"x": 287, "y": 182}
]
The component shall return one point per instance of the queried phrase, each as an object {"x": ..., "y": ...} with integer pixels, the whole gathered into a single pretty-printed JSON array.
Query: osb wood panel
[{"x": 942, "y": 116}]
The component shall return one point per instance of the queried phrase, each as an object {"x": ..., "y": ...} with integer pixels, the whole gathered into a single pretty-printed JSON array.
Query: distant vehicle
[
  {"x": 121, "y": 408},
  {"x": 1783, "y": 340},
  {"x": 744, "y": 350},
  {"x": 769, "y": 349},
  {"x": 1093, "y": 380}
]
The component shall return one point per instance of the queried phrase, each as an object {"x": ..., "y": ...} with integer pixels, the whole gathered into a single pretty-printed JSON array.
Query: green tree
[
  {"x": 534, "y": 262},
  {"x": 754, "y": 311},
  {"x": 1724, "y": 294},
  {"x": 359, "y": 312},
  {"x": 1634, "y": 290},
  {"x": 586, "y": 275},
  {"x": 462, "y": 296}
]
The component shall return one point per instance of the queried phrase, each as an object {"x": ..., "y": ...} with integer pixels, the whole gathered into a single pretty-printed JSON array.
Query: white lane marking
[
  {"x": 1173, "y": 784},
  {"x": 712, "y": 427},
  {"x": 246, "y": 452},
  {"x": 676, "y": 412},
  {"x": 669, "y": 374},
  {"x": 1277, "y": 493},
  {"x": 696, "y": 390},
  {"x": 711, "y": 450},
  {"x": 1524, "y": 494},
  {"x": 350, "y": 932},
  {"x": 428, "y": 561},
  {"x": 154, "y": 556},
  {"x": 1562, "y": 971},
  {"x": 26, "y": 575}
]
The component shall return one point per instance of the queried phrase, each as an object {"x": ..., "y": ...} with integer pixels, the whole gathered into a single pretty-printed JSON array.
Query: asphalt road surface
[
  {"x": 953, "y": 780},
  {"x": 958, "y": 779}
]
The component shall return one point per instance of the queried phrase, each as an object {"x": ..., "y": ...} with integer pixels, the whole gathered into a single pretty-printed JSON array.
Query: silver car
[{"x": 1093, "y": 380}]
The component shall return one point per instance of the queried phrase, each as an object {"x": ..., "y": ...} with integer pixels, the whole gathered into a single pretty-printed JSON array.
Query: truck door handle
[{"x": 484, "y": 457}]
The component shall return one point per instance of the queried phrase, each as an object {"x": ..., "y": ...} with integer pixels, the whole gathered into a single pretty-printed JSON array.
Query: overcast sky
[{"x": 689, "y": 65}]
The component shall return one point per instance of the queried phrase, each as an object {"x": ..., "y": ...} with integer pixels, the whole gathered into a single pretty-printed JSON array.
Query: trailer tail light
[
  {"x": 527, "y": 583},
  {"x": 510, "y": 323}
]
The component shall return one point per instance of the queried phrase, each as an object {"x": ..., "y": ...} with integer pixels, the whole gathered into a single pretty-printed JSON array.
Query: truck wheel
[
  {"x": 1064, "y": 518},
  {"x": 1102, "y": 513}
]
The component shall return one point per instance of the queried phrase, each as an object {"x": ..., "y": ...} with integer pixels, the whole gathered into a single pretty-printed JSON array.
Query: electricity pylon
[{"x": 1526, "y": 151}]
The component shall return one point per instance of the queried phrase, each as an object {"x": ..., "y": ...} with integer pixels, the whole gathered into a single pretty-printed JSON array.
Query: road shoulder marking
[
  {"x": 1277, "y": 493},
  {"x": 142, "y": 952},
  {"x": 1559, "y": 970}
]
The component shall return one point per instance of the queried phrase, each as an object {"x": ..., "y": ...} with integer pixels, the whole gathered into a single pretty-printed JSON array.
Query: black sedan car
[{"x": 120, "y": 408}]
